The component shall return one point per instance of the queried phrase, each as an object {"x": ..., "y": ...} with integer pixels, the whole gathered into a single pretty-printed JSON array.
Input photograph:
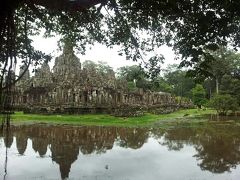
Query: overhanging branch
[{"x": 68, "y": 4}]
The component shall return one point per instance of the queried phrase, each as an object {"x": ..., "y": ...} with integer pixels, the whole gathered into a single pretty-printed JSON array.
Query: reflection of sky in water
[
  {"x": 152, "y": 161},
  {"x": 28, "y": 166}
]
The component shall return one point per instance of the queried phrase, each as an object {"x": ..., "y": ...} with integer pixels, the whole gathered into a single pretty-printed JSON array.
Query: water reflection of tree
[
  {"x": 218, "y": 148},
  {"x": 96, "y": 140},
  {"x": 5, "y": 132},
  {"x": 175, "y": 139},
  {"x": 132, "y": 138}
]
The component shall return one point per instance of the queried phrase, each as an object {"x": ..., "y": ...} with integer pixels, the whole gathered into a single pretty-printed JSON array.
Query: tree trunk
[
  {"x": 210, "y": 93},
  {"x": 217, "y": 85}
]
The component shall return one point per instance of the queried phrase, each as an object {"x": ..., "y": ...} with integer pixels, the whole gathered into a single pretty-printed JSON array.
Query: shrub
[{"x": 223, "y": 103}]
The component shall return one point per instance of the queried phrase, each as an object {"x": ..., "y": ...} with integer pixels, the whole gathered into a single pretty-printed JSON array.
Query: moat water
[{"x": 106, "y": 153}]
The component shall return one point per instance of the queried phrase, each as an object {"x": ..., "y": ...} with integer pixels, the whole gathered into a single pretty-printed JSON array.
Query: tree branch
[{"x": 68, "y": 4}]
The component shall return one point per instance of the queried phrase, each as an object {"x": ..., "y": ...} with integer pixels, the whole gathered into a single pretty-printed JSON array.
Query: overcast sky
[{"x": 98, "y": 53}]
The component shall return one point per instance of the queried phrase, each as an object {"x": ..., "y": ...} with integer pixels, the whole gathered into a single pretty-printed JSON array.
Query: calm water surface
[{"x": 104, "y": 153}]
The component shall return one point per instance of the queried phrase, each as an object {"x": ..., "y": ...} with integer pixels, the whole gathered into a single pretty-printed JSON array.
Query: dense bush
[{"x": 223, "y": 103}]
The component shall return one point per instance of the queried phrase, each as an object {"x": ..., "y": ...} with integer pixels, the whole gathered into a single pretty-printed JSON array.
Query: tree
[
  {"x": 231, "y": 85},
  {"x": 160, "y": 84},
  {"x": 223, "y": 62},
  {"x": 88, "y": 64},
  {"x": 100, "y": 69},
  {"x": 198, "y": 94},
  {"x": 223, "y": 103},
  {"x": 131, "y": 73},
  {"x": 153, "y": 67},
  {"x": 135, "y": 75},
  {"x": 181, "y": 85},
  {"x": 209, "y": 85},
  {"x": 216, "y": 64},
  {"x": 104, "y": 68}
]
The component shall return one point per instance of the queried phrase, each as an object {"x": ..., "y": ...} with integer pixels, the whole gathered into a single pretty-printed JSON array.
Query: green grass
[{"x": 108, "y": 120}]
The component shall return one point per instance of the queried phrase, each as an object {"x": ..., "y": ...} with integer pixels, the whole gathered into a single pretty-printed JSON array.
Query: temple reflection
[
  {"x": 8, "y": 139},
  {"x": 217, "y": 149},
  {"x": 65, "y": 142}
]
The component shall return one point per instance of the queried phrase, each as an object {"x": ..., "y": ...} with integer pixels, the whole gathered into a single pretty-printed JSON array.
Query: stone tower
[
  {"x": 43, "y": 76},
  {"x": 26, "y": 75},
  {"x": 67, "y": 66},
  {"x": 24, "y": 82}
]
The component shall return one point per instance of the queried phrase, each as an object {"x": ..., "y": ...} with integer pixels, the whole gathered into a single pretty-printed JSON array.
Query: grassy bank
[{"x": 108, "y": 120}]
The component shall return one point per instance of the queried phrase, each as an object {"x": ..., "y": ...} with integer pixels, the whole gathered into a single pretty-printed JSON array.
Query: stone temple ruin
[{"x": 69, "y": 88}]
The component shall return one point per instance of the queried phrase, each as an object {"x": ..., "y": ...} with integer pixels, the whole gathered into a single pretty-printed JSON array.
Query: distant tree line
[{"x": 213, "y": 81}]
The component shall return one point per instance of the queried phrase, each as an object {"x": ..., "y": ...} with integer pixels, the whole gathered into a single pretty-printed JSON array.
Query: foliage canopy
[{"x": 188, "y": 26}]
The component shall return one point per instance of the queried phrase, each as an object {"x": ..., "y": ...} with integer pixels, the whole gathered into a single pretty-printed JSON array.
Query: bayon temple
[{"x": 69, "y": 88}]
